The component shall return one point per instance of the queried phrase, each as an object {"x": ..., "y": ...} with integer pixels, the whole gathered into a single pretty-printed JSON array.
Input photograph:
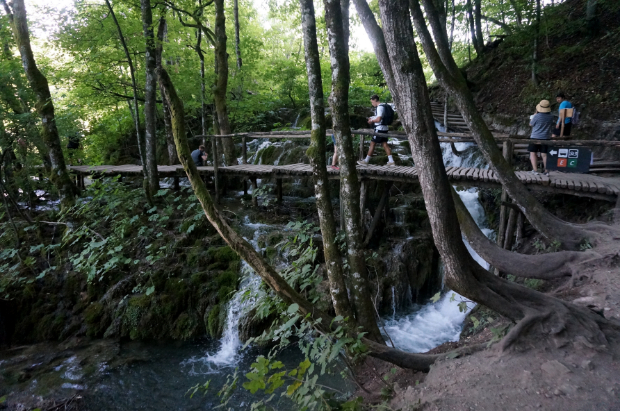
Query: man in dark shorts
[
  {"x": 565, "y": 117},
  {"x": 199, "y": 156},
  {"x": 541, "y": 123},
  {"x": 380, "y": 128}
]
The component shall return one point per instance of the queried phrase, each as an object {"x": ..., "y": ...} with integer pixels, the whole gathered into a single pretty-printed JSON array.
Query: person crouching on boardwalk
[
  {"x": 542, "y": 123},
  {"x": 380, "y": 128}
]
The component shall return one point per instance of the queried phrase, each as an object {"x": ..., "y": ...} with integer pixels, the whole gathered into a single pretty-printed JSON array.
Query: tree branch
[{"x": 504, "y": 26}]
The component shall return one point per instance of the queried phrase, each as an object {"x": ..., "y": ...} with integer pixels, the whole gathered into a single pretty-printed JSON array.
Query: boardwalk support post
[
  {"x": 215, "y": 170},
  {"x": 361, "y": 146},
  {"x": 254, "y": 187},
  {"x": 176, "y": 183},
  {"x": 507, "y": 150},
  {"x": 244, "y": 155},
  {"x": 363, "y": 195},
  {"x": 383, "y": 205},
  {"x": 279, "y": 189}
]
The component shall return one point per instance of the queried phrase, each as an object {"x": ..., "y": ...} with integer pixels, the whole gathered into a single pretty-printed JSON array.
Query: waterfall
[
  {"x": 241, "y": 303},
  {"x": 436, "y": 323},
  {"x": 393, "y": 303}
]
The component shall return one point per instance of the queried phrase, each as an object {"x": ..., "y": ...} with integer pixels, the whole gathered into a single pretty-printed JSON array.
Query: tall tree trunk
[
  {"x": 134, "y": 89},
  {"x": 591, "y": 17},
  {"x": 518, "y": 15},
  {"x": 532, "y": 310},
  {"x": 150, "y": 99},
  {"x": 472, "y": 26},
  {"x": 478, "y": 21},
  {"x": 535, "y": 48},
  {"x": 450, "y": 77},
  {"x": 237, "y": 39},
  {"x": 345, "y": 6},
  {"x": 349, "y": 183},
  {"x": 162, "y": 30},
  {"x": 254, "y": 260},
  {"x": 219, "y": 93},
  {"x": 316, "y": 151},
  {"x": 44, "y": 105}
]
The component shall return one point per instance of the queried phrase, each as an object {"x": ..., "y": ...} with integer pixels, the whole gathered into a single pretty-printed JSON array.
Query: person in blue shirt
[
  {"x": 200, "y": 156},
  {"x": 542, "y": 123},
  {"x": 564, "y": 124}
]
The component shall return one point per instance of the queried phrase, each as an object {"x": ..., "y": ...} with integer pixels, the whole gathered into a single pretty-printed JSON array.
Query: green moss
[
  {"x": 200, "y": 277},
  {"x": 140, "y": 301},
  {"x": 227, "y": 279},
  {"x": 224, "y": 293},
  {"x": 93, "y": 313},
  {"x": 217, "y": 266},
  {"x": 214, "y": 327},
  {"x": 226, "y": 254},
  {"x": 267, "y": 155},
  {"x": 183, "y": 327},
  {"x": 274, "y": 238},
  {"x": 271, "y": 252}
]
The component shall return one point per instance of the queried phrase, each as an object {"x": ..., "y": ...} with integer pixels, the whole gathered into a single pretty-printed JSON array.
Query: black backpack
[{"x": 388, "y": 115}]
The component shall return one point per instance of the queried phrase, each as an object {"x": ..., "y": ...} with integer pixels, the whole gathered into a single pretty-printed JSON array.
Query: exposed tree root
[{"x": 544, "y": 266}]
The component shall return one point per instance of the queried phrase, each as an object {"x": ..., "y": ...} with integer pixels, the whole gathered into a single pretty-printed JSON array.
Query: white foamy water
[{"x": 436, "y": 323}]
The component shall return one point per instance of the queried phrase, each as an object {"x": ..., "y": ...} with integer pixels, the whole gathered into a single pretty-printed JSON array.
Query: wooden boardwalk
[{"x": 583, "y": 185}]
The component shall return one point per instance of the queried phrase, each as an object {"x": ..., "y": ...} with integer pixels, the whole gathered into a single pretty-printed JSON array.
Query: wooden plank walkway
[{"x": 583, "y": 185}]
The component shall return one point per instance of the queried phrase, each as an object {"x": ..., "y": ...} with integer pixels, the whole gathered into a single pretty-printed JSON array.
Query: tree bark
[
  {"x": 349, "y": 183},
  {"x": 375, "y": 34},
  {"x": 535, "y": 48},
  {"x": 450, "y": 77},
  {"x": 518, "y": 15},
  {"x": 162, "y": 30},
  {"x": 134, "y": 88},
  {"x": 507, "y": 29},
  {"x": 150, "y": 99},
  {"x": 478, "y": 21},
  {"x": 44, "y": 105},
  {"x": 472, "y": 26},
  {"x": 333, "y": 258},
  {"x": 221, "y": 87},
  {"x": 237, "y": 38},
  {"x": 553, "y": 318}
]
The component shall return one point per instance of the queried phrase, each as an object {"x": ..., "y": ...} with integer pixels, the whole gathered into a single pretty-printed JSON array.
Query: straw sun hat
[{"x": 543, "y": 106}]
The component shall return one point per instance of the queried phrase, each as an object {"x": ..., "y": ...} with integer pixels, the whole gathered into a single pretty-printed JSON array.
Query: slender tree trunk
[
  {"x": 246, "y": 251},
  {"x": 162, "y": 30},
  {"x": 472, "y": 26},
  {"x": 345, "y": 6},
  {"x": 535, "y": 48},
  {"x": 44, "y": 105},
  {"x": 592, "y": 21},
  {"x": 134, "y": 88},
  {"x": 349, "y": 183},
  {"x": 237, "y": 39},
  {"x": 150, "y": 99},
  {"x": 333, "y": 259},
  {"x": 221, "y": 87},
  {"x": 462, "y": 274},
  {"x": 450, "y": 77},
  {"x": 375, "y": 34},
  {"x": 478, "y": 21},
  {"x": 518, "y": 15}
]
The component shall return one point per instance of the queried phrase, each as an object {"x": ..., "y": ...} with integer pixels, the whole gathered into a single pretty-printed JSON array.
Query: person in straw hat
[{"x": 542, "y": 123}]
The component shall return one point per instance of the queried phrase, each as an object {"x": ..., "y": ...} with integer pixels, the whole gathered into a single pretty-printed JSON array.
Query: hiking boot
[
  {"x": 390, "y": 164},
  {"x": 362, "y": 162}
]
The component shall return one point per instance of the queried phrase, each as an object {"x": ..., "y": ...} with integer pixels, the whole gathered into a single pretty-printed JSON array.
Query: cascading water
[{"x": 436, "y": 323}]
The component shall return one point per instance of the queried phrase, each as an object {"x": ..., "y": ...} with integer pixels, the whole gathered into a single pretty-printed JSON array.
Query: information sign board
[{"x": 569, "y": 159}]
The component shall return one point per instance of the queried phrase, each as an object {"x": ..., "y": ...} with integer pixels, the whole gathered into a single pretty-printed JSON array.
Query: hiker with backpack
[
  {"x": 565, "y": 117},
  {"x": 384, "y": 117}
]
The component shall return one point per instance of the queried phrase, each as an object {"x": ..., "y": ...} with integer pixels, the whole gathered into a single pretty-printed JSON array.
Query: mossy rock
[
  {"x": 184, "y": 327},
  {"x": 224, "y": 293},
  {"x": 220, "y": 265},
  {"x": 234, "y": 266},
  {"x": 140, "y": 301},
  {"x": 93, "y": 313},
  {"x": 227, "y": 279},
  {"x": 267, "y": 155},
  {"x": 274, "y": 238},
  {"x": 200, "y": 277},
  {"x": 213, "y": 323},
  {"x": 223, "y": 254},
  {"x": 271, "y": 252}
]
